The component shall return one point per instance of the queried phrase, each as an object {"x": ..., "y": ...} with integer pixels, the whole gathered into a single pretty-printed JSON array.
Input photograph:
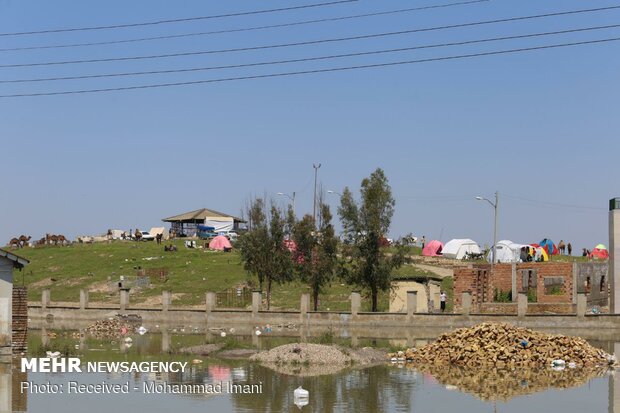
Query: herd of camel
[{"x": 49, "y": 239}]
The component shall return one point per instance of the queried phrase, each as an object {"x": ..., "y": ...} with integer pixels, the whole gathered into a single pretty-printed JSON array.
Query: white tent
[
  {"x": 506, "y": 251},
  {"x": 159, "y": 230},
  {"x": 458, "y": 248}
]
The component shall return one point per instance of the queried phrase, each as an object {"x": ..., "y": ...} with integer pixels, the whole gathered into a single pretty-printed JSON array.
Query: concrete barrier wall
[
  {"x": 208, "y": 315},
  {"x": 58, "y": 315}
]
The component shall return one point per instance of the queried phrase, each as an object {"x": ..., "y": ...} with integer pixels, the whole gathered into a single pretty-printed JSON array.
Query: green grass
[{"x": 191, "y": 273}]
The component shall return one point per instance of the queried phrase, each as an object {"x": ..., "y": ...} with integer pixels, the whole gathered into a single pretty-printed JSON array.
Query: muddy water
[{"x": 385, "y": 388}]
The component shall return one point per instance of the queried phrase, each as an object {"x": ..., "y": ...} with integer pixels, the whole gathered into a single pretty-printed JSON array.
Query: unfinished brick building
[{"x": 551, "y": 287}]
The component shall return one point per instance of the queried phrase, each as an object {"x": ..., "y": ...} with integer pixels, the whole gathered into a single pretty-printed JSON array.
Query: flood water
[{"x": 383, "y": 388}]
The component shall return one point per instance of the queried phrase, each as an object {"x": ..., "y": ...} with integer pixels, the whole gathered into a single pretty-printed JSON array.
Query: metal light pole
[
  {"x": 494, "y": 205},
  {"x": 316, "y": 170},
  {"x": 292, "y": 198}
]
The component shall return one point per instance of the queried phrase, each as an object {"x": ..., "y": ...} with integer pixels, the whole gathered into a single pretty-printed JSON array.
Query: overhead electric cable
[
  {"x": 244, "y": 29},
  {"x": 307, "y": 59},
  {"x": 186, "y": 19},
  {"x": 368, "y": 36},
  {"x": 554, "y": 204},
  {"x": 314, "y": 71}
]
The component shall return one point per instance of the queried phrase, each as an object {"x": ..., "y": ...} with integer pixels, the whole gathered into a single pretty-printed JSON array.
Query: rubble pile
[
  {"x": 494, "y": 384},
  {"x": 504, "y": 346},
  {"x": 110, "y": 328}
]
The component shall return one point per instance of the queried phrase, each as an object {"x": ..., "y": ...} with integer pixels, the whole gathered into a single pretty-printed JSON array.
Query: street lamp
[
  {"x": 494, "y": 205},
  {"x": 334, "y": 192},
  {"x": 292, "y": 198},
  {"x": 316, "y": 171}
]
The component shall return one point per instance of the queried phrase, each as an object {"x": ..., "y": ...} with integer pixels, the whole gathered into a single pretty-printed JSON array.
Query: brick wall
[
  {"x": 483, "y": 283},
  {"x": 20, "y": 319}
]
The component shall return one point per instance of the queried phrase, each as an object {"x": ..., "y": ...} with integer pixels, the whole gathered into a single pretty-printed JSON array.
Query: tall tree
[
  {"x": 262, "y": 248},
  {"x": 315, "y": 255},
  {"x": 365, "y": 262}
]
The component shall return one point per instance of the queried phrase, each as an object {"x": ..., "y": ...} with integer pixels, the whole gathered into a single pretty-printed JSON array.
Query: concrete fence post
[
  {"x": 256, "y": 303},
  {"x": 84, "y": 298},
  {"x": 466, "y": 302},
  {"x": 412, "y": 303},
  {"x": 582, "y": 304},
  {"x": 521, "y": 305},
  {"x": 304, "y": 306},
  {"x": 356, "y": 303},
  {"x": 166, "y": 300},
  {"x": 45, "y": 299},
  {"x": 124, "y": 299},
  {"x": 210, "y": 301}
]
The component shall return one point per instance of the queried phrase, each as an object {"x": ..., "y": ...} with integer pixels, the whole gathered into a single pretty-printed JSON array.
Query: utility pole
[
  {"x": 495, "y": 228},
  {"x": 494, "y": 205},
  {"x": 316, "y": 170}
]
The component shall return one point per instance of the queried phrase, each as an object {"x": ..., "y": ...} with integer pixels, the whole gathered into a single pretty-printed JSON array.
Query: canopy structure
[
  {"x": 600, "y": 252},
  {"x": 433, "y": 249},
  {"x": 220, "y": 243},
  {"x": 506, "y": 251},
  {"x": 186, "y": 224},
  {"x": 460, "y": 248},
  {"x": 549, "y": 247}
]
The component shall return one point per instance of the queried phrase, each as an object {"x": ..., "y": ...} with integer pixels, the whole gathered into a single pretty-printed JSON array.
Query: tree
[
  {"x": 315, "y": 256},
  {"x": 262, "y": 248},
  {"x": 365, "y": 262}
]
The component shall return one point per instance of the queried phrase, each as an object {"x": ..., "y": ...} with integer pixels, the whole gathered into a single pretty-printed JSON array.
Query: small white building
[{"x": 8, "y": 262}]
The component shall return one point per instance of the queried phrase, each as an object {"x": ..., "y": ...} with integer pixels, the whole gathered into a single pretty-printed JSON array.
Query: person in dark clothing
[{"x": 570, "y": 249}]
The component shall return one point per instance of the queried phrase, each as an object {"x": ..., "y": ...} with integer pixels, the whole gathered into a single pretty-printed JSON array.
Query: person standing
[
  {"x": 570, "y": 249},
  {"x": 442, "y": 299},
  {"x": 423, "y": 241}
]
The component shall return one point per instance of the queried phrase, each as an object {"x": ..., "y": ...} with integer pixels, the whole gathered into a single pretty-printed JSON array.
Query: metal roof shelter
[{"x": 186, "y": 223}]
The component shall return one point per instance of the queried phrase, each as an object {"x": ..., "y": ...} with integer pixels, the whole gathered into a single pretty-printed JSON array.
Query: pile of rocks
[
  {"x": 505, "y": 346},
  {"x": 110, "y": 328},
  {"x": 304, "y": 353}
]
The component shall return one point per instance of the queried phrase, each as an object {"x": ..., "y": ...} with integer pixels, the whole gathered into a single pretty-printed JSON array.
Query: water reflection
[
  {"x": 493, "y": 384},
  {"x": 382, "y": 388}
]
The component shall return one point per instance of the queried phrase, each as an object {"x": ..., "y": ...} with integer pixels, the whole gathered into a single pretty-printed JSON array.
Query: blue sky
[{"x": 539, "y": 127}]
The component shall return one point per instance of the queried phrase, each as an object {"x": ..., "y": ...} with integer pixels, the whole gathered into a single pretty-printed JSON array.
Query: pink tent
[
  {"x": 219, "y": 243},
  {"x": 432, "y": 249}
]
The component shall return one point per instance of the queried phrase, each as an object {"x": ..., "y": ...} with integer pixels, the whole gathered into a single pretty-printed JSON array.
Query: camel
[
  {"x": 562, "y": 247},
  {"x": 61, "y": 238},
  {"x": 137, "y": 234},
  {"x": 24, "y": 240},
  {"x": 40, "y": 242},
  {"x": 51, "y": 239},
  {"x": 14, "y": 242}
]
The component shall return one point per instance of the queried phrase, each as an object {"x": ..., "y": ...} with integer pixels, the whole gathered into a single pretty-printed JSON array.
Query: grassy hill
[{"x": 191, "y": 273}]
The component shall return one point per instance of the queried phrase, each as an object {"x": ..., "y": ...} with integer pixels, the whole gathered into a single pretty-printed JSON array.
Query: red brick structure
[{"x": 548, "y": 285}]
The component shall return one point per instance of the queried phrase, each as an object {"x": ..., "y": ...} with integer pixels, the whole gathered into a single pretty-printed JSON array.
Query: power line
[
  {"x": 186, "y": 19},
  {"x": 306, "y": 72},
  {"x": 555, "y": 204},
  {"x": 307, "y": 59},
  {"x": 244, "y": 29},
  {"x": 368, "y": 36}
]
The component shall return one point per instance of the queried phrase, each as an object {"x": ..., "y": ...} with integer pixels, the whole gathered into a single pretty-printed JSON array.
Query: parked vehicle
[
  {"x": 206, "y": 232},
  {"x": 231, "y": 235},
  {"x": 146, "y": 236}
]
